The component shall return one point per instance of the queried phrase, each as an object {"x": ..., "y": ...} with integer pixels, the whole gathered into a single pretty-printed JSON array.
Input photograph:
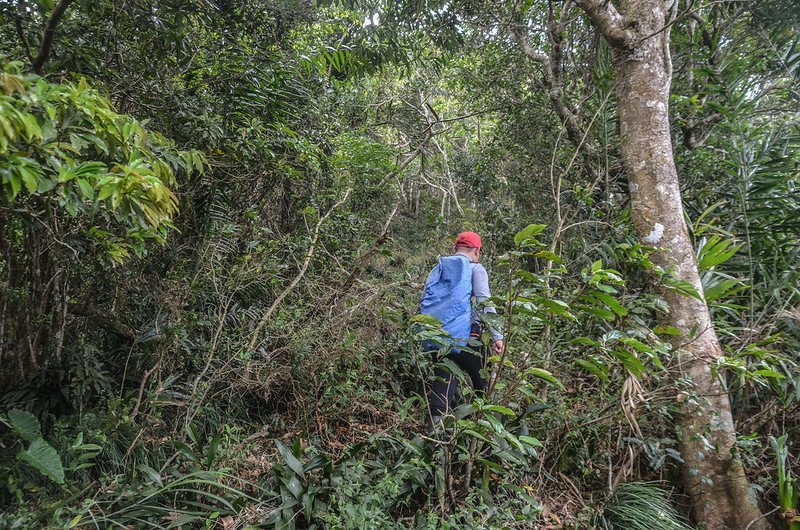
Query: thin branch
[
  {"x": 410, "y": 158},
  {"x": 26, "y": 46},
  {"x": 306, "y": 262},
  {"x": 383, "y": 238},
  {"x": 555, "y": 91}
]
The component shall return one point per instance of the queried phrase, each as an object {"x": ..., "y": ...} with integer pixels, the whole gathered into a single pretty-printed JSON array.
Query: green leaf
[
  {"x": 527, "y": 233},
  {"x": 44, "y": 459},
  {"x": 636, "y": 344},
  {"x": 715, "y": 251},
  {"x": 530, "y": 440},
  {"x": 194, "y": 436},
  {"x": 700, "y": 227},
  {"x": 526, "y": 275},
  {"x": 594, "y": 367},
  {"x": 495, "y": 424},
  {"x": 499, "y": 408},
  {"x": 556, "y": 307},
  {"x": 463, "y": 410},
  {"x": 25, "y": 424},
  {"x": 769, "y": 373},
  {"x": 586, "y": 341},
  {"x": 549, "y": 256},
  {"x": 184, "y": 520},
  {"x": 289, "y": 458},
  {"x": 630, "y": 361},
  {"x": 154, "y": 475},
  {"x": 32, "y": 129},
  {"x": 86, "y": 188},
  {"x": 213, "y": 447},
  {"x": 106, "y": 191},
  {"x": 16, "y": 184},
  {"x": 494, "y": 466},
  {"x": 681, "y": 286},
  {"x": 602, "y": 313},
  {"x": 185, "y": 450},
  {"x": 428, "y": 320},
  {"x": 545, "y": 375},
  {"x": 611, "y": 303},
  {"x": 46, "y": 5},
  {"x": 667, "y": 330},
  {"x": 723, "y": 289},
  {"x": 535, "y": 504},
  {"x": 28, "y": 178},
  {"x": 294, "y": 486},
  {"x": 46, "y": 185}
]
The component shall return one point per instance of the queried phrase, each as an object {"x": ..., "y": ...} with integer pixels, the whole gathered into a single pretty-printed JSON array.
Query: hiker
[{"x": 449, "y": 290}]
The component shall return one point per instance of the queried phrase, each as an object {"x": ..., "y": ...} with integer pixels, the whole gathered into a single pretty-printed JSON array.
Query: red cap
[{"x": 468, "y": 239}]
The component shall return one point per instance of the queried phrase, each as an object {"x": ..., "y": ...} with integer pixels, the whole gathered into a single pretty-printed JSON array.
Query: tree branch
[
  {"x": 382, "y": 239},
  {"x": 49, "y": 35},
  {"x": 105, "y": 320},
  {"x": 26, "y": 46},
  {"x": 410, "y": 158},
  {"x": 609, "y": 21},
  {"x": 530, "y": 53},
  {"x": 552, "y": 82},
  {"x": 303, "y": 268}
]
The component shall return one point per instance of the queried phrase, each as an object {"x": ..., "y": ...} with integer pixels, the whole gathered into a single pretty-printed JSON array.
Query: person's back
[
  {"x": 449, "y": 290},
  {"x": 448, "y": 297}
]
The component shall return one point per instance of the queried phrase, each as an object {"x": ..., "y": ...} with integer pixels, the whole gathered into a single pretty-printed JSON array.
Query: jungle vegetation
[{"x": 216, "y": 218}]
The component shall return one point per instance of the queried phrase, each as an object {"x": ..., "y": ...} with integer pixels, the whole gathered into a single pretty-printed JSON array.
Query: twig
[{"x": 147, "y": 375}]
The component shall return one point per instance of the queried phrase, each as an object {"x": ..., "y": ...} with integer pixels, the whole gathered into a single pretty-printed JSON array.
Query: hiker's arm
[{"x": 480, "y": 289}]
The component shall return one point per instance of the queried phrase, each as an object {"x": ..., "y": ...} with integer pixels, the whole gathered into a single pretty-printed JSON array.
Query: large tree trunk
[{"x": 713, "y": 474}]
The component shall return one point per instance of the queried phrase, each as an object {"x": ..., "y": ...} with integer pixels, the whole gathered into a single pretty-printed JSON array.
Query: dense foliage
[{"x": 216, "y": 220}]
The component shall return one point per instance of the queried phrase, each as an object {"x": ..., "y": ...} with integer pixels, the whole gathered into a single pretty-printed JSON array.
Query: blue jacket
[{"x": 448, "y": 297}]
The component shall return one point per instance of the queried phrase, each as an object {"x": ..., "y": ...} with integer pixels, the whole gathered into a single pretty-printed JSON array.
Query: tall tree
[{"x": 638, "y": 33}]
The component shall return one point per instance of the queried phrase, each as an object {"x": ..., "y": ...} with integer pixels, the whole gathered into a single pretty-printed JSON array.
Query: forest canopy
[{"x": 218, "y": 219}]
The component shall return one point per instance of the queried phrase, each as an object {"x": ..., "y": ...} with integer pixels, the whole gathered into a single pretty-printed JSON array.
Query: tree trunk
[{"x": 713, "y": 474}]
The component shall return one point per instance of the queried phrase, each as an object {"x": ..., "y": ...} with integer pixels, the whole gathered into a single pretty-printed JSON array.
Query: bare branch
[
  {"x": 364, "y": 261},
  {"x": 410, "y": 158}
]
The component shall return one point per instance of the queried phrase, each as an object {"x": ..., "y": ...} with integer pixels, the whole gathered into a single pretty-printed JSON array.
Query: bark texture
[{"x": 713, "y": 474}]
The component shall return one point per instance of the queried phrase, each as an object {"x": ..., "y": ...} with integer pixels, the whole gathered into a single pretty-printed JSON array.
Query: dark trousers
[{"x": 445, "y": 384}]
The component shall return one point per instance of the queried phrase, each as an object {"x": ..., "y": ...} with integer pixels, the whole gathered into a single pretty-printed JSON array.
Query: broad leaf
[
  {"x": 592, "y": 366},
  {"x": 428, "y": 320},
  {"x": 527, "y": 233},
  {"x": 545, "y": 375},
  {"x": 25, "y": 424},
  {"x": 44, "y": 459},
  {"x": 611, "y": 302}
]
